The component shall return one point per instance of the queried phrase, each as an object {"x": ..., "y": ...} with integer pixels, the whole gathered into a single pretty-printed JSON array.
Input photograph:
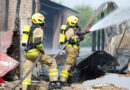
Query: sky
[{"x": 93, "y": 3}]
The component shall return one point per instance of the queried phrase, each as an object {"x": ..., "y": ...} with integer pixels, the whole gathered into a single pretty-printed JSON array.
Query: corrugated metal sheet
[
  {"x": 5, "y": 40},
  {"x": 6, "y": 63}
]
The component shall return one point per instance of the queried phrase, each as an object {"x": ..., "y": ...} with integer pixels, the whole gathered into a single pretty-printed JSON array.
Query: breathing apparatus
[
  {"x": 25, "y": 35},
  {"x": 62, "y": 34}
]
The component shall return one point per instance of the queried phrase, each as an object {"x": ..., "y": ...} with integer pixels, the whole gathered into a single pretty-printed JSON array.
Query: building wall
[
  {"x": 25, "y": 8},
  {"x": 7, "y": 14},
  {"x": 67, "y": 13},
  {"x": 114, "y": 36},
  {"x": 2, "y": 14},
  {"x": 12, "y": 14},
  {"x": 56, "y": 27},
  {"x": 6, "y": 35},
  {"x": 111, "y": 32},
  {"x": 117, "y": 41}
]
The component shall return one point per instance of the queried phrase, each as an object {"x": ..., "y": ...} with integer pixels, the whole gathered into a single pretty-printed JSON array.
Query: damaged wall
[
  {"x": 7, "y": 12},
  {"x": 9, "y": 42},
  {"x": 2, "y": 14},
  {"x": 114, "y": 33},
  {"x": 12, "y": 14},
  {"x": 117, "y": 42}
]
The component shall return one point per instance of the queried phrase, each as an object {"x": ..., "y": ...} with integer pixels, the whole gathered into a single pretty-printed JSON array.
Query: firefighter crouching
[
  {"x": 34, "y": 46},
  {"x": 72, "y": 34}
]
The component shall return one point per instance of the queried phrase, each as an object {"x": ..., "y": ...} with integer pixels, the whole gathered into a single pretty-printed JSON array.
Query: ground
[
  {"x": 84, "y": 85},
  {"x": 77, "y": 86}
]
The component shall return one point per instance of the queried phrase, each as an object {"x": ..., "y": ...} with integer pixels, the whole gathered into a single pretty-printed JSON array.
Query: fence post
[
  {"x": 98, "y": 41},
  {"x": 103, "y": 34},
  {"x": 94, "y": 41}
]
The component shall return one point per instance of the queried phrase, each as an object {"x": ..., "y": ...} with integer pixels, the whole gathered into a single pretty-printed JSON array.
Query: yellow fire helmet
[
  {"x": 72, "y": 20},
  {"x": 38, "y": 18}
]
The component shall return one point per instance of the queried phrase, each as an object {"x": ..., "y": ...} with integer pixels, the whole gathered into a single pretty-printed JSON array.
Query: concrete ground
[
  {"x": 115, "y": 79},
  {"x": 87, "y": 85}
]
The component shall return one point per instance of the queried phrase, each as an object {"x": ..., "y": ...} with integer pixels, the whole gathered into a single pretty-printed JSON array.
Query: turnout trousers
[
  {"x": 45, "y": 59},
  {"x": 70, "y": 62}
]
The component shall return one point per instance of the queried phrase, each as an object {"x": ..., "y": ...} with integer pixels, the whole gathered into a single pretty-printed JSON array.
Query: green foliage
[
  {"x": 87, "y": 40},
  {"x": 85, "y": 12}
]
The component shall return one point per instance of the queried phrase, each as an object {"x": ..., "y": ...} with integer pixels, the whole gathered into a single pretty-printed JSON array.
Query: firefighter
[
  {"x": 71, "y": 49},
  {"x": 33, "y": 48}
]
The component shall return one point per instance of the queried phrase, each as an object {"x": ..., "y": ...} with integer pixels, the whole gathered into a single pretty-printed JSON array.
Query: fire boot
[
  {"x": 53, "y": 85},
  {"x": 28, "y": 87},
  {"x": 64, "y": 84},
  {"x": 70, "y": 80}
]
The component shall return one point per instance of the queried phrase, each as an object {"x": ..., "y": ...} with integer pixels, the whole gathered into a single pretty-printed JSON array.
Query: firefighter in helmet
[
  {"x": 71, "y": 49},
  {"x": 33, "y": 49}
]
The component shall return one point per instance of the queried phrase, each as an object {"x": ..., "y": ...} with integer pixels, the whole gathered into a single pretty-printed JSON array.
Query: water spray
[{"x": 118, "y": 16}]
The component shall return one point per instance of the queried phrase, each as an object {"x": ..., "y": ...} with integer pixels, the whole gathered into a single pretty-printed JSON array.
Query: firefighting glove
[
  {"x": 71, "y": 41},
  {"x": 81, "y": 37}
]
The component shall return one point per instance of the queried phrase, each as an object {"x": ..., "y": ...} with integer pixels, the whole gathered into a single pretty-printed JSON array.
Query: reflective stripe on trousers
[
  {"x": 73, "y": 46},
  {"x": 27, "y": 81},
  {"x": 53, "y": 74},
  {"x": 65, "y": 73}
]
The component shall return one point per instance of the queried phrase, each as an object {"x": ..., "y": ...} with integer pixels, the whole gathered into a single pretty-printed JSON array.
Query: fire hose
[{"x": 38, "y": 58}]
